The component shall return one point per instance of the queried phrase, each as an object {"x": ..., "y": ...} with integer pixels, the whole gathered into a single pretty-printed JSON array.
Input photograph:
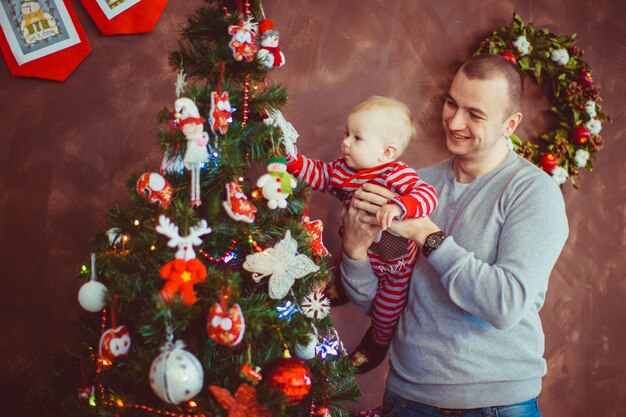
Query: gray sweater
[{"x": 470, "y": 334}]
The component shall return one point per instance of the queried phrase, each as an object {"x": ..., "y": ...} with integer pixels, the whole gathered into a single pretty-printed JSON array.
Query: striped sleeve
[
  {"x": 316, "y": 174},
  {"x": 417, "y": 198}
]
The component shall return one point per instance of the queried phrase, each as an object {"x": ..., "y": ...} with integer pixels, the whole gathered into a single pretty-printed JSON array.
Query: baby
[{"x": 377, "y": 132}]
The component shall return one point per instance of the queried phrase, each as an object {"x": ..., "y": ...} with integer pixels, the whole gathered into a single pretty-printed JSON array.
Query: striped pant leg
[{"x": 393, "y": 284}]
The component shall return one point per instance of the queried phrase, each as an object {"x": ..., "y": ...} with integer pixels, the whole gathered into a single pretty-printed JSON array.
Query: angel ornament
[
  {"x": 192, "y": 126},
  {"x": 282, "y": 264}
]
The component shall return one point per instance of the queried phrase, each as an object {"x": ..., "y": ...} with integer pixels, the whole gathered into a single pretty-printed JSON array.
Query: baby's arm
[
  {"x": 314, "y": 173},
  {"x": 417, "y": 198},
  {"x": 387, "y": 214}
]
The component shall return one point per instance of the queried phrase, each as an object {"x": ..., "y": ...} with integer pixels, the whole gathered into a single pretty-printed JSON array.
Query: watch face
[{"x": 433, "y": 241}]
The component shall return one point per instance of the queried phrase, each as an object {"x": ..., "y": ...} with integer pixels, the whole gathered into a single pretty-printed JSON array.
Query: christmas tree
[{"x": 205, "y": 295}]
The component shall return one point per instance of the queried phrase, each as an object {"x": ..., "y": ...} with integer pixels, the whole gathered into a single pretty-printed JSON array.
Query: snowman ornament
[
  {"x": 277, "y": 184},
  {"x": 269, "y": 53}
]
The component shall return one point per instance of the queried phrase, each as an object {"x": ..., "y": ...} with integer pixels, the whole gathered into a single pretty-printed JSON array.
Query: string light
[
  {"x": 254, "y": 244},
  {"x": 225, "y": 257},
  {"x": 136, "y": 222}
]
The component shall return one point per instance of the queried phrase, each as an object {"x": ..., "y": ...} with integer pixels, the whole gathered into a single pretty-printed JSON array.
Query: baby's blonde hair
[{"x": 401, "y": 125}]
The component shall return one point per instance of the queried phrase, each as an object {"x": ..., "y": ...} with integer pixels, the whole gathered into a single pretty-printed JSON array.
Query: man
[{"x": 469, "y": 341}]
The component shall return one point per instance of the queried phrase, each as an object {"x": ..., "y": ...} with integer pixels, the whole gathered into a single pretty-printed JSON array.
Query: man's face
[{"x": 475, "y": 116}]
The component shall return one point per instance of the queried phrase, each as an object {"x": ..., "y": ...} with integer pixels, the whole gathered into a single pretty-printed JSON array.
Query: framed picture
[
  {"x": 36, "y": 28},
  {"x": 112, "y": 8}
]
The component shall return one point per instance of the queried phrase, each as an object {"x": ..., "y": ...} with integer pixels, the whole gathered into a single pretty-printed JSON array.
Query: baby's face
[{"x": 364, "y": 142}]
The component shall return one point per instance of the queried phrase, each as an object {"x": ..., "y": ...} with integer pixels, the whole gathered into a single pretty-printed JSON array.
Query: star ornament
[
  {"x": 315, "y": 305},
  {"x": 326, "y": 348},
  {"x": 282, "y": 264},
  {"x": 314, "y": 230},
  {"x": 287, "y": 311},
  {"x": 242, "y": 404}
]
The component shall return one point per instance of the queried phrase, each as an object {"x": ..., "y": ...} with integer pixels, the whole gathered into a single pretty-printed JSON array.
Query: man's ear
[
  {"x": 511, "y": 124},
  {"x": 389, "y": 154}
]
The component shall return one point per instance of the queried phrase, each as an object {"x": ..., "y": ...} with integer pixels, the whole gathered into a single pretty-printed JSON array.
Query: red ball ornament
[
  {"x": 509, "y": 56},
  {"x": 292, "y": 378},
  {"x": 586, "y": 79},
  {"x": 548, "y": 162},
  {"x": 581, "y": 135}
]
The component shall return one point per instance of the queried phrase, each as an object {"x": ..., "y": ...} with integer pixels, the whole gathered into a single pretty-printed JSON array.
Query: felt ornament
[
  {"x": 277, "y": 184},
  {"x": 243, "y": 40},
  {"x": 124, "y": 17},
  {"x": 114, "y": 342},
  {"x": 153, "y": 188},
  {"x": 269, "y": 53},
  {"x": 176, "y": 375},
  {"x": 282, "y": 264},
  {"x": 192, "y": 126},
  {"x": 237, "y": 205},
  {"x": 185, "y": 270},
  {"x": 242, "y": 404},
  {"x": 315, "y": 305},
  {"x": 42, "y": 39},
  {"x": 225, "y": 325},
  {"x": 314, "y": 229},
  {"x": 220, "y": 115}
]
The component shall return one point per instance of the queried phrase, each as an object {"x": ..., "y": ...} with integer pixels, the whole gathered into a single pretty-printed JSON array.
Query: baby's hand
[{"x": 387, "y": 214}]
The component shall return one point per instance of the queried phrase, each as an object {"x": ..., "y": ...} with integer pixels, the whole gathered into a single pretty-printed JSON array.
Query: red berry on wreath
[
  {"x": 292, "y": 378},
  {"x": 509, "y": 56},
  {"x": 581, "y": 135},
  {"x": 548, "y": 162}
]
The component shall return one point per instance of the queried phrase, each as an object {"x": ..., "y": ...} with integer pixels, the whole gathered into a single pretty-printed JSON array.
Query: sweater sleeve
[
  {"x": 417, "y": 198},
  {"x": 532, "y": 236},
  {"x": 316, "y": 174},
  {"x": 359, "y": 282}
]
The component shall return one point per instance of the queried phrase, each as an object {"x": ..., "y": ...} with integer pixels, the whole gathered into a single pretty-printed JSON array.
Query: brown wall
[{"x": 66, "y": 150}]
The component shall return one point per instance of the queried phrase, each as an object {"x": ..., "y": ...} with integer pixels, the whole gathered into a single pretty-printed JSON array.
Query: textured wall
[{"x": 68, "y": 148}]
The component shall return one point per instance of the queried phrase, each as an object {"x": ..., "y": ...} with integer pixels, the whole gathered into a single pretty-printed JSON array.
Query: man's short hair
[
  {"x": 401, "y": 124},
  {"x": 488, "y": 66}
]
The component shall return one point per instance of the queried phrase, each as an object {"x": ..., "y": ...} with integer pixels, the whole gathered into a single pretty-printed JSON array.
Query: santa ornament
[
  {"x": 185, "y": 270},
  {"x": 225, "y": 325},
  {"x": 277, "y": 184},
  {"x": 42, "y": 38},
  {"x": 154, "y": 188},
  {"x": 315, "y": 229},
  {"x": 192, "y": 126},
  {"x": 270, "y": 54},
  {"x": 237, "y": 205}
]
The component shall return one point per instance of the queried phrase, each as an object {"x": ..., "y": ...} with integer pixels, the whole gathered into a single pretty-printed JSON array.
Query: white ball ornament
[
  {"x": 91, "y": 294},
  {"x": 306, "y": 351},
  {"x": 176, "y": 375}
]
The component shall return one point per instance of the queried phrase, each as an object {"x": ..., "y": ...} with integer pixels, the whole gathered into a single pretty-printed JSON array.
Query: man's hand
[
  {"x": 387, "y": 214},
  {"x": 359, "y": 231},
  {"x": 415, "y": 229}
]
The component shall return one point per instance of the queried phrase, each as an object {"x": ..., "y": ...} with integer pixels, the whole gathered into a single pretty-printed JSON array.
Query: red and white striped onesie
[{"x": 392, "y": 257}]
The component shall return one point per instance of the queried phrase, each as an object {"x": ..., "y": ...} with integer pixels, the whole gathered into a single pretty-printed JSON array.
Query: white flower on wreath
[
  {"x": 560, "y": 56},
  {"x": 559, "y": 174},
  {"x": 522, "y": 45},
  {"x": 594, "y": 126},
  {"x": 581, "y": 157},
  {"x": 590, "y": 108}
]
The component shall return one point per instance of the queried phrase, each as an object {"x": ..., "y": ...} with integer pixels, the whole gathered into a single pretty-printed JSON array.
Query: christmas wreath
[{"x": 544, "y": 55}]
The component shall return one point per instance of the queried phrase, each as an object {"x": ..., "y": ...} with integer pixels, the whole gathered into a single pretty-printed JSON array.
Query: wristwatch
[{"x": 432, "y": 242}]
